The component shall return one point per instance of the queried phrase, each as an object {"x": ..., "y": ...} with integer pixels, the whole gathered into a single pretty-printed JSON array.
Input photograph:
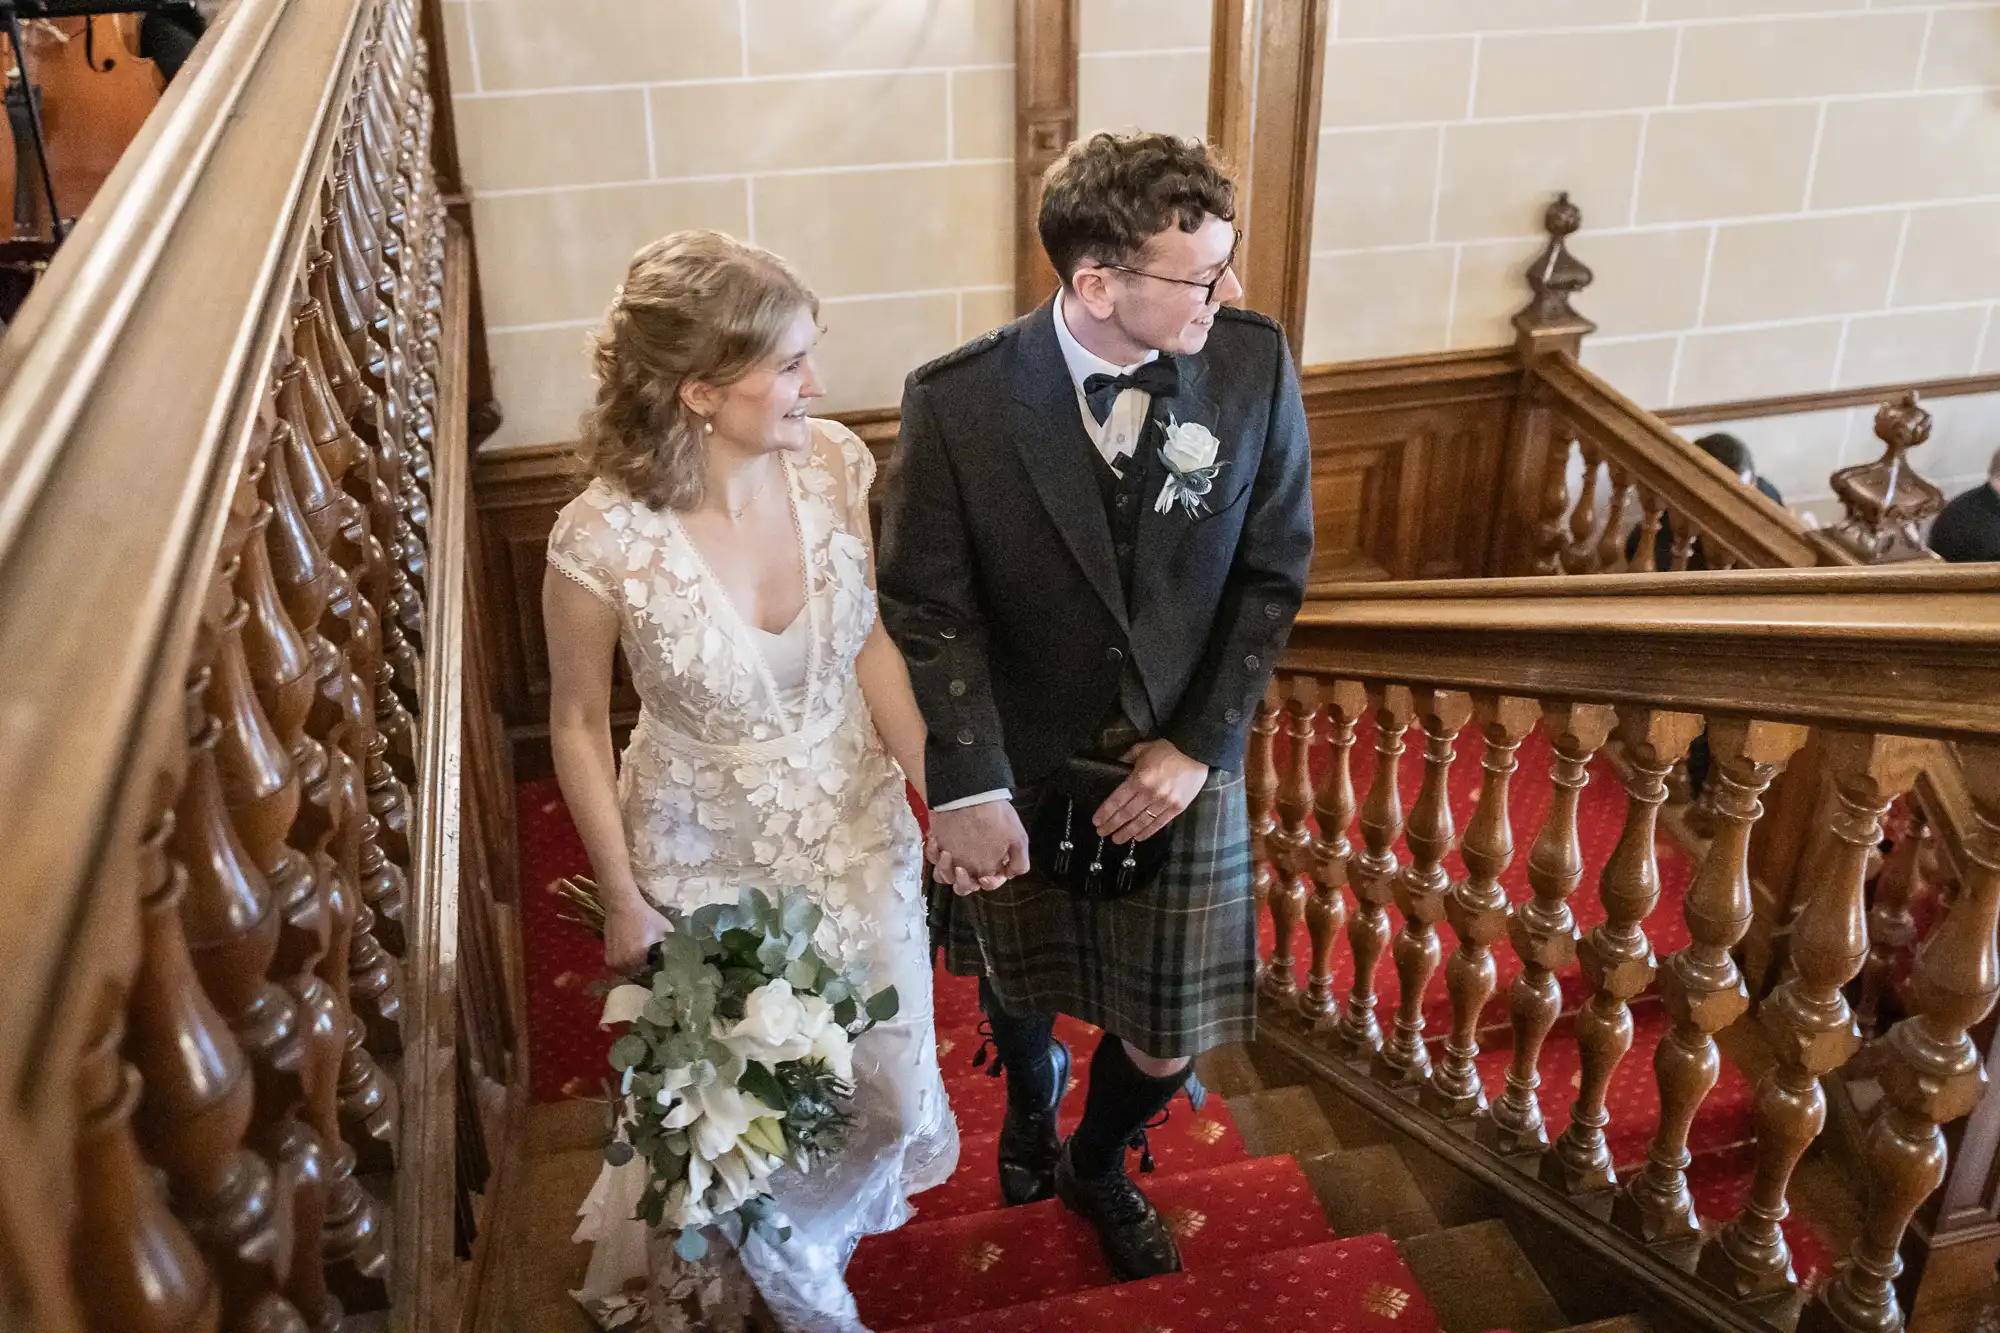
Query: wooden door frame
[{"x": 1266, "y": 62}]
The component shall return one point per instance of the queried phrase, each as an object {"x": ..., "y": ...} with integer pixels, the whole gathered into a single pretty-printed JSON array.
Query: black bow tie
[{"x": 1159, "y": 377}]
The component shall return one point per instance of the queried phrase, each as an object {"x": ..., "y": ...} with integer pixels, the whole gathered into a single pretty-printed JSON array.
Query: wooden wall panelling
[
  {"x": 1265, "y": 66},
  {"x": 1045, "y": 45},
  {"x": 1404, "y": 465}
]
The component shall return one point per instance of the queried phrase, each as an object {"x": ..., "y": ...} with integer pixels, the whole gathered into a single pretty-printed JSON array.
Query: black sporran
[{"x": 1064, "y": 845}]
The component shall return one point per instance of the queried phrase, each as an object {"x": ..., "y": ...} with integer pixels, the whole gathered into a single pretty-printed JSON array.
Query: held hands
[
  {"x": 1163, "y": 783},
  {"x": 978, "y": 847},
  {"x": 631, "y": 927}
]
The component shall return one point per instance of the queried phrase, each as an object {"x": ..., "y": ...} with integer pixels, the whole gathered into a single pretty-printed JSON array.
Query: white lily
[{"x": 624, "y": 1004}]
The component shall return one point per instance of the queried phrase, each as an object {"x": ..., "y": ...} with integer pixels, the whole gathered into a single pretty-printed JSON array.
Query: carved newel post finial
[
  {"x": 1887, "y": 503},
  {"x": 1548, "y": 320}
]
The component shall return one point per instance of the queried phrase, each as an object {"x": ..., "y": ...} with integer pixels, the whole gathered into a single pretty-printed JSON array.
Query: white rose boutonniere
[{"x": 1189, "y": 453}]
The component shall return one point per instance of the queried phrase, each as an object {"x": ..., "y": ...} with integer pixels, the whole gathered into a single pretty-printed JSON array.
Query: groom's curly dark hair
[{"x": 1107, "y": 195}]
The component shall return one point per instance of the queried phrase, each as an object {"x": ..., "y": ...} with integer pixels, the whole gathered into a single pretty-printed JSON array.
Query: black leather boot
[
  {"x": 1135, "y": 1239},
  {"x": 1037, "y": 1070},
  {"x": 1028, "y": 1143}
]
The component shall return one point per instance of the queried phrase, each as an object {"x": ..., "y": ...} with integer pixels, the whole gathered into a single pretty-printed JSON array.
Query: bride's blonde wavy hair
[{"x": 694, "y": 306}]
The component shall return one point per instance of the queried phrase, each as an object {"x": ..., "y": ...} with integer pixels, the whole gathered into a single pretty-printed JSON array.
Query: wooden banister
[
  {"x": 234, "y": 695},
  {"x": 1889, "y": 675}
]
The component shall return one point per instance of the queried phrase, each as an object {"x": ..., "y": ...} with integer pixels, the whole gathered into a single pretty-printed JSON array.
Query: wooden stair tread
[
  {"x": 1370, "y": 1189},
  {"x": 1478, "y": 1279},
  {"x": 1283, "y": 1120}
]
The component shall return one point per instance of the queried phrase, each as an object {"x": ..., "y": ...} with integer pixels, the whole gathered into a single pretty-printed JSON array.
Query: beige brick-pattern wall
[
  {"x": 1779, "y": 196},
  {"x": 869, "y": 141},
  {"x": 1143, "y": 65}
]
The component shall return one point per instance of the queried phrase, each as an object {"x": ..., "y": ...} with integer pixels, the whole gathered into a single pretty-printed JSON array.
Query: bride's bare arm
[
  {"x": 583, "y": 635},
  {"x": 885, "y": 683}
]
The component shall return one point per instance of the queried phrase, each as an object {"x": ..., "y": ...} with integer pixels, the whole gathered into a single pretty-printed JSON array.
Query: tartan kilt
[{"x": 1171, "y": 969}]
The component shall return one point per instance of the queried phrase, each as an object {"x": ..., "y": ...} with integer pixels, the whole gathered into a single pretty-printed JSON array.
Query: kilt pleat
[{"x": 1171, "y": 969}]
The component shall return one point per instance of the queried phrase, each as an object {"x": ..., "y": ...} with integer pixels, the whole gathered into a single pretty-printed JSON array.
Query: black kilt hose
[
  {"x": 1171, "y": 969},
  {"x": 1037, "y": 595}
]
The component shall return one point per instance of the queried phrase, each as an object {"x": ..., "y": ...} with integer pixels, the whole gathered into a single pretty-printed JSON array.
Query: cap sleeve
[
  {"x": 584, "y": 545},
  {"x": 855, "y": 463}
]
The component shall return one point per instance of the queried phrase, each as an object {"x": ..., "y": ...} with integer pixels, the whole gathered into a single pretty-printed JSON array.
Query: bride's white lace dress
[{"x": 755, "y": 762}]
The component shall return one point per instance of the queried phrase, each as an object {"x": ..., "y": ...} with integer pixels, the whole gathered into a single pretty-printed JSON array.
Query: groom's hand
[
  {"x": 1163, "y": 783},
  {"x": 978, "y": 846}
]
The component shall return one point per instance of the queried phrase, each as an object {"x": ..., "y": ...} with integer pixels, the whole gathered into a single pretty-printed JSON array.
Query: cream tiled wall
[
  {"x": 1779, "y": 196},
  {"x": 869, "y": 141},
  {"x": 1143, "y": 65}
]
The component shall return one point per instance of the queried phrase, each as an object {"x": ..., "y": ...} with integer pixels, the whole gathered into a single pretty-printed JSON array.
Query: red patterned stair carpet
[{"x": 1259, "y": 1252}]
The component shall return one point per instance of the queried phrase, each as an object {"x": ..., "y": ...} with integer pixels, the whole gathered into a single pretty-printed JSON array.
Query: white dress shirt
[{"x": 1115, "y": 438}]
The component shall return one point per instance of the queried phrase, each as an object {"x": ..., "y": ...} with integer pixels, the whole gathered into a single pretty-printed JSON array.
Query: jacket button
[
  {"x": 965, "y": 737},
  {"x": 957, "y": 688},
  {"x": 1271, "y": 611},
  {"x": 947, "y": 633},
  {"x": 1251, "y": 662},
  {"x": 1232, "y": 716},
  {"x": 1114, "y": 654}
]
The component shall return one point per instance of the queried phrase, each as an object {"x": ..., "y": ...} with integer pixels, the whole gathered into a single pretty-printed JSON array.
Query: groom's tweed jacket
[
  {"x": 1026, "y": 628},
  {"x": 1000, "y": 583}
]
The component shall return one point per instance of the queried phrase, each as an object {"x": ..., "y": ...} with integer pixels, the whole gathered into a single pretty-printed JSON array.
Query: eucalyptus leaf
[
  {"x": 802, "y": 974},
  {"x": 882, "y": 1005},
  {"x": 691, "y": 1245},
  {"x": 772, "y": 954},
  {"x": 795, "y": 950},
  {"x": 628, "y": 1051},
  {"x": 846, "y": 1011},
  {"x": 618, "y": 1152},
  {"x": 800, "y": 916}
]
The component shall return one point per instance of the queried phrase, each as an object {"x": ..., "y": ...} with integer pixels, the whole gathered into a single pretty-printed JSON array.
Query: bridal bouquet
[{"x": 736, "y": 1059}]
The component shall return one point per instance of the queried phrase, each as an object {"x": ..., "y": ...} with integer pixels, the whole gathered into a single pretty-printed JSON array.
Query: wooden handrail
[
  {"x": 1755, "y": 530},
  {"x": 1915, "y": 652},
  {"x": 126, "y": 463}
]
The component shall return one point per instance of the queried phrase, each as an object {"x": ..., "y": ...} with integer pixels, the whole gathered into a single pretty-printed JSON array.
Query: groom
[{"x": 1071, "y": 574}]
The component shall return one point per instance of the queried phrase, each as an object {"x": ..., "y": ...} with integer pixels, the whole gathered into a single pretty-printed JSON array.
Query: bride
[{"x": 724, "y": 544}]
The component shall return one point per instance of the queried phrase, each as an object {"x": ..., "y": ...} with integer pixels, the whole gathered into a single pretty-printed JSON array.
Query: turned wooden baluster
[
  {"x": 1421, "y": 886},
  {"x": 1700, "y": 985},
  {"x": 1891, "y": 927},
  {"x": 1610, "y": 557},
  {"x": 1617, "y": 957},
  {"x": 339, "y": 721},
  {"x": 1932, "y": 1076},
  {"x": 1373, "y": 874},
  {"x": 1652, "y": 512},
  {"x": 350, "y": 622},
  {"x": 1260, "y": 786},
  {"x": 133, "y": 1268},
  {"x": 374, "y": 511},
  {"x": 1552, "y": 513},
  {"x": 1684, "y": 536},
  {"x": 196, "y": 1109},
  {"x": 1543, "y": 929},
  {"x": 1291, "y": 842},
  {"x": 1327, "y": 912},
  {"x": 340, "y": 523},
  {"x": 282, "y": 668},
  {"x": 233, "y": 933},
  {"x": 263, "y": 796},
  {"x": 1807, "y": 1016},
  {"x": 1579, "y": 549},
  {"x": 1477, "y": 908}
]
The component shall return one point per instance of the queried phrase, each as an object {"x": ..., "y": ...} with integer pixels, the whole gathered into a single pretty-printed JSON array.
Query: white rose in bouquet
[
  {"x": 832, "y": 1046},
  {"x": 771, "y": 1030}
]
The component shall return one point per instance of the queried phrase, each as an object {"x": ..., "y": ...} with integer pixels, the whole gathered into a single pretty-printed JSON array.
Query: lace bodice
[
  {"x": 697, "y": 665},
  {"x": 734, "y": 775}
]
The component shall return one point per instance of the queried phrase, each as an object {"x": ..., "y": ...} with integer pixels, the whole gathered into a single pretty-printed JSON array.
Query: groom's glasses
[{"x": 1207, "y": 288}]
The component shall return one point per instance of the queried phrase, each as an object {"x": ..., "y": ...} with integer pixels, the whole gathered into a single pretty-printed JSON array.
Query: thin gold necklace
[{"x": 756, "y": 495}]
